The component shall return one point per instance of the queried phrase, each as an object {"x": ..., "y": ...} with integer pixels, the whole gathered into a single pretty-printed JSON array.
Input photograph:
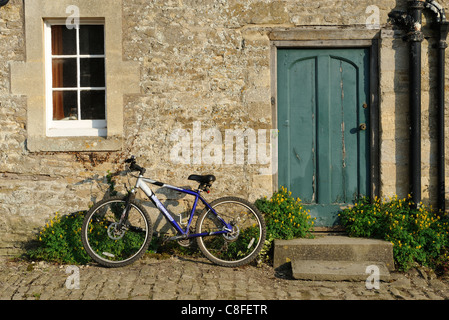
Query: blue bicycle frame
[{"x": 182, "y": 234}]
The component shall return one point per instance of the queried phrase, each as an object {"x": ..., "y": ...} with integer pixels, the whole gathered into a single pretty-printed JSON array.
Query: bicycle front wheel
[
  {"x": 235, "y": 248},
  {"x": 110, "y": 244}
]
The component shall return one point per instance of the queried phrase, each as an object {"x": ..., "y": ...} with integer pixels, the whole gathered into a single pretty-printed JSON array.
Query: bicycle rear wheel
[
  {"x": 109, "y": 244},
  {"x": 235, "y": 248}
]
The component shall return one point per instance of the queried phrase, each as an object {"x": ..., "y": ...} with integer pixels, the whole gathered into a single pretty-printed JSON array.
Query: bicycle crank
[{"x": 186, "y": 242}]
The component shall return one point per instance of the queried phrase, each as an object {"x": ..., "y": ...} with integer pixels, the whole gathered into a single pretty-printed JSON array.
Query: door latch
[{"x": 362, "y": 126}]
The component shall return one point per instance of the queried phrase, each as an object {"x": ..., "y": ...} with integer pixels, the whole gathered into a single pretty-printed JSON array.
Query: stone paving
[{"x": 187, "y": 278}]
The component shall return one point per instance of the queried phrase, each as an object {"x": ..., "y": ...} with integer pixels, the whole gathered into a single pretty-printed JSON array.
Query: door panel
[{"x": 323, "y": 153}]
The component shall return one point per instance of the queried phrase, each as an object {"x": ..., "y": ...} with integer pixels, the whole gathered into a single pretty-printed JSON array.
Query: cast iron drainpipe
[
  {"x": 411, "y": 22},
  {"x": 415, "y": 37},
  {"x": 441, "y": 25},
  {"x": 442, "y": 45}
]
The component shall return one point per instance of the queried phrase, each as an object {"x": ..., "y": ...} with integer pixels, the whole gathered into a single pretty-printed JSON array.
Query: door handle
[{"x": 362, "y": 126}]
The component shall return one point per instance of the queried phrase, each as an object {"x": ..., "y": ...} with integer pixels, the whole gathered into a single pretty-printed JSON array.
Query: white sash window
[{"x": 75, "y": 79}]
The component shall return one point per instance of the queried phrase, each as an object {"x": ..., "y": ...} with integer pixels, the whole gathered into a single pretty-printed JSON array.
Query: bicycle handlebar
[
  {"x": 132, "y": 159},
  {"x": 134, "y": 166}
]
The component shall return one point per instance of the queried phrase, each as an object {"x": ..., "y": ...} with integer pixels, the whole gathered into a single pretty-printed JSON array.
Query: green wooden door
[{"x": 323, "y": 116}]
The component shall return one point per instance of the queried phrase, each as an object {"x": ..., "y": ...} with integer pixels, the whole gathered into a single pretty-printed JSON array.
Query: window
[
  {"x": 75, "y": 79},
  {"x": 81, "y": 107}
]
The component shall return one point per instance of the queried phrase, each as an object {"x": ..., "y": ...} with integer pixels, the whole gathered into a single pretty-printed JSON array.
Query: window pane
[
  {"x": 93, "y": 105},
  {"x": 92, "y": 72},
  {"x": 65, "y": 105},
  {"x": 92, "y": 39},
  {"x": 63, "y": 40},
  {"x": 64, "y": 73}
]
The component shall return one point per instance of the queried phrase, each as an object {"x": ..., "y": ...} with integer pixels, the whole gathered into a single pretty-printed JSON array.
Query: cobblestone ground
[{"x": 197, "y": 279}]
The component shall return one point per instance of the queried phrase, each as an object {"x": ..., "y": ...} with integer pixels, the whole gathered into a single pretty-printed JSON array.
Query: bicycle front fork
[{"x": 124, "y": 217}]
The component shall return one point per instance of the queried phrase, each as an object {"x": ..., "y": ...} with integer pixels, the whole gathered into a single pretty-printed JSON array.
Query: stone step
[
  {"x": 322, "y": 270},
  {"x": 333, "y": 248}
]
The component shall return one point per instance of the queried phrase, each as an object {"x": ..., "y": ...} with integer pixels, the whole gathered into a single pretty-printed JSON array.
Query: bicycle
[{"x": 117, "y": 231}]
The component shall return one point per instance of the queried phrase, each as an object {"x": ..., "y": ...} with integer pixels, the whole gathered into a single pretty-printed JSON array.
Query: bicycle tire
[
  {"x": 222, "y": 249},
  {"x": 116, "y": 241}
]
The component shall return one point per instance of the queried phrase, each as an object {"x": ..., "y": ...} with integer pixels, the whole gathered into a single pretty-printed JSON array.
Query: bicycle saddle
[{"x": 205, "y": 179}]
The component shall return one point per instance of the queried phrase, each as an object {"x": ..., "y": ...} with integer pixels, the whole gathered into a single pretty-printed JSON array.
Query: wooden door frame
[{"x": 307, "y": 39}]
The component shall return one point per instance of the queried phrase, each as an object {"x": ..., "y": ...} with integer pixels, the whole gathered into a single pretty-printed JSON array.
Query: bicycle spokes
[
  {"x": 112, "y": 241},
  {"x": 238, "y": 244}
]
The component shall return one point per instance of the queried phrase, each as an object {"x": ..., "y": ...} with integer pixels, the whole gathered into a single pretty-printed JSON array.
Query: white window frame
[{"x": 70, "y": 128}]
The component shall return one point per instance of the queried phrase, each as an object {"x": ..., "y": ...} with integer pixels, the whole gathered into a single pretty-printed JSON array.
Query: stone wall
[{"x": 207, "y": 65}]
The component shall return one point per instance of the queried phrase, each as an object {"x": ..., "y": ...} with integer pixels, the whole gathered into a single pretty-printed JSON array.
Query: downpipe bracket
[{"x": 410, "y": 20}]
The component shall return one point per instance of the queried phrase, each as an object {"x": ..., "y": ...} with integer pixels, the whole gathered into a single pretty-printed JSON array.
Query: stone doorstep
[
  {"x": 333, "y": 249},
  {"x": 321, "y": 270}
]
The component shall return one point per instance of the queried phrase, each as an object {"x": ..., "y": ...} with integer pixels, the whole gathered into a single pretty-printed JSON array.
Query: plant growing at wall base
[
  {"x": 60, "y": 240},
  {"x": 419, "y": 235},
  {"x": 285, "y": 218}
]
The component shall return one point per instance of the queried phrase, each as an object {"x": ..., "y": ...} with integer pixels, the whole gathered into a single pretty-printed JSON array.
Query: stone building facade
[{"x": 183, "y": 83}]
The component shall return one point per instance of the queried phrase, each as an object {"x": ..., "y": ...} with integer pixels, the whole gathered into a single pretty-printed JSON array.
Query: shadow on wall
[{"x": 178, "y": 203}]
